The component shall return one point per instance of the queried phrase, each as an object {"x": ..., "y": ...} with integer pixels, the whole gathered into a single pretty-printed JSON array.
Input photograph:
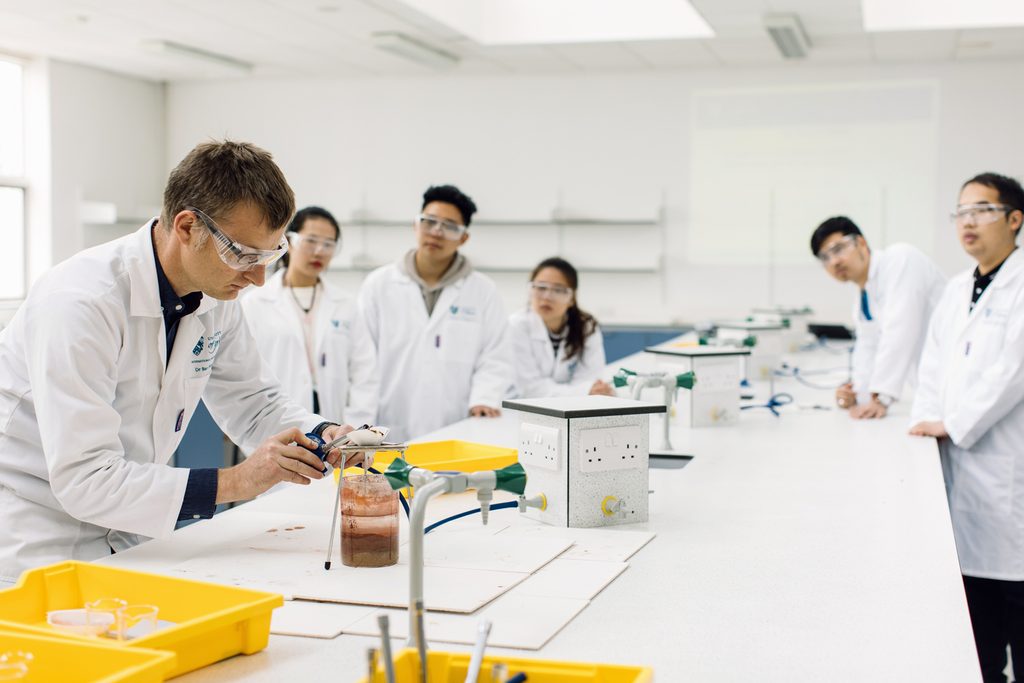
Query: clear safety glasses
[
  {"x": 826, "y": 255},
  {"x": 311, "y": 243},
  {"x": 979, "y": 214},
  {"x": 544, "y": 290},
  {"x": 239, "y": 256},
  {"x": 434, "y": 225}
]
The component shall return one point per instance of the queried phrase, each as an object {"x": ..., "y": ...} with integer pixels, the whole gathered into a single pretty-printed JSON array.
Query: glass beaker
[{"x": 369, "y": 521}]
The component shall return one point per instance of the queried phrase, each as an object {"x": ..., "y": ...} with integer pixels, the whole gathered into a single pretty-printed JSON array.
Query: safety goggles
[
  {"x": 543, "y": 290},
  {"x": 239, "y": 256},
  {"x": 311, "y": 243},
  {"x": 826, "y": 255},
  {"x": 979, "y": 214},
  {"x": 434, "y": 225}
]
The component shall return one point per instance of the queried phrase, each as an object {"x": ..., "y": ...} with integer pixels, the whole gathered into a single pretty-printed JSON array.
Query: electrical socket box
[
  {"x": 766, "y": 355},
  {"x": 588, "y": 455},
  {"x": 539, "y": 446},
  {"x": 714, "y": 399},
  {"x": 794, "y": 322}
]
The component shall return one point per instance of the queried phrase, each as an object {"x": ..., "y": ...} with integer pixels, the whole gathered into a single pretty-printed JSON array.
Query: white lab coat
[
  {"x": 434, "y": 368},
  {"x": 972, "y": 379},
  {"x": 345, "y": 360},
  {"x": 540, "y": 372},
  {"x": 90, "y": 417},
  {"x": 903, "y": 288}
]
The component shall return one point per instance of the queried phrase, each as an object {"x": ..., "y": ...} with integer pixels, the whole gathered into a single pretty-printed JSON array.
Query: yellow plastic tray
[
  {"x": 71, "y": 661},
  {"x": 451, "y": 667},
  {"x": 213, "y": 622},
  {"x": 461, "y": 456}
]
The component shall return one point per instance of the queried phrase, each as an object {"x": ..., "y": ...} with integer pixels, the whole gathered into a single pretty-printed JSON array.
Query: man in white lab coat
[
  {"x": 898, "y": 288},
  {"x": 971, "y": 398},
  {"x": 104, "y": 363},
  {"x": 438, "y": 325}
]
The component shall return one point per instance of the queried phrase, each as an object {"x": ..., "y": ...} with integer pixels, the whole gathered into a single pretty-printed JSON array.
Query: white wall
[
  {"x": 90, "y": 135},
  {"x": 107, "y": 142},
  {"x": 614, "y": 145}
]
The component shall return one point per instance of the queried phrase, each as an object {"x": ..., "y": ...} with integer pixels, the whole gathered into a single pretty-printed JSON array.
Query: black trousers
[{"x": 997, "y": 617}]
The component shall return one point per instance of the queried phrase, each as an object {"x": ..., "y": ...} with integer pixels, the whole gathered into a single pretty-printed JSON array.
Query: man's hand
[
  {"x": 936, "y": 429},
  {"x": 868, "y": 411},
  {"x": 845, "y": 397},
  {"x": 277, "y": 459},
  {"x": 602, "y": 388},
  {"x": 334, "y": 457},
  {"x": 484, "y": 411}
]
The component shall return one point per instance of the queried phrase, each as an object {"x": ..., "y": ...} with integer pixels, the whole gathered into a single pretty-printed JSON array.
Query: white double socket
[
  {"x": 540, "y": 446},
  {"x": 610, "y": 448}
]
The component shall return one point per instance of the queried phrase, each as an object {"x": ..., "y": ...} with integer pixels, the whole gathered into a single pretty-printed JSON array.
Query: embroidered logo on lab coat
[
  {"x": 203, "y": 364},
  {"x": 463, "y": 312},
  {"x": 336, "y": 323}
]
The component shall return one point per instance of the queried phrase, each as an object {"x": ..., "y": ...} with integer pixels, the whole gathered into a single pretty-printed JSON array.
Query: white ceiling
[{"x": 333, "y": 37}]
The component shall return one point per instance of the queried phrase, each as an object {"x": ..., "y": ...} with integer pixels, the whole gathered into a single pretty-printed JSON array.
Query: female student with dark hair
[
  {"x": 559, "y": 350},
  {"x": 309, "y": 333}
]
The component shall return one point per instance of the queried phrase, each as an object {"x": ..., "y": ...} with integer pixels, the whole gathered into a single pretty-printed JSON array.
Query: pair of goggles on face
[
  {"x": 449, "y": 229},
  {"x": 235, "y": 255},
  {"x": 979, "y": 214},
  {"x": 544, "y": 290},
  {"x": 844, "y": 243},
  {"x": 311, "y": 243}
]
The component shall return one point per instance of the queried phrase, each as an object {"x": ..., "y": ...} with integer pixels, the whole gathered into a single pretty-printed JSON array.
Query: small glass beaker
[
  {"x": 105, "y": 611},
  {"x": 369, "y": 521},
  {"x": 137, "y": 621}
]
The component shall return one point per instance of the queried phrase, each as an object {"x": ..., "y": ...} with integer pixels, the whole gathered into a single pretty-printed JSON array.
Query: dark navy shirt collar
[{"x": 173, "y": 306}]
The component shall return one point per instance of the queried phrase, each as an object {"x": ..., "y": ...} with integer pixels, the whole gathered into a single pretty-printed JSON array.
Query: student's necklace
[{"x": 312, "y": 300}]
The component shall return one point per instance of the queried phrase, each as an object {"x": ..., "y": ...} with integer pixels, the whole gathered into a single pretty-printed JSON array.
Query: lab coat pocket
[{"x": 984, "y": 482}]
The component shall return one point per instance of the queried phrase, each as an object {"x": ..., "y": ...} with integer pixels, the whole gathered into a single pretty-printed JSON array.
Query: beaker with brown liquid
[{"x": 369, "y": 521}]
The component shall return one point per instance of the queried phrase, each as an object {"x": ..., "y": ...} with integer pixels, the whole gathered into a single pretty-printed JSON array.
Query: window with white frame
[{"x": 12, "y": 181}]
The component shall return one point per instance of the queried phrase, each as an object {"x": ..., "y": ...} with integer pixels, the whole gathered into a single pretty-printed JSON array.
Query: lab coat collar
[
  {"x": 140, "y": 262},
  {"x": 538, "y": 330},
  {"x": 1010, "y": 270},
  {"x": 874, "y": 264}
]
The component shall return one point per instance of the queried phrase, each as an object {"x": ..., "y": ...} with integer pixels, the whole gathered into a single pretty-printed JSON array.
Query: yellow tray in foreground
[
  {"x": 75, "y": 661},
  {"x": 212, "y": 622},
  {"x": 451, "y": 667}
]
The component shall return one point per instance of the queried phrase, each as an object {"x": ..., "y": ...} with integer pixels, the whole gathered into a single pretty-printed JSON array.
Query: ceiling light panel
[
  {"x": 914, "y": 15},
  {"x": 548, "y": 22}
]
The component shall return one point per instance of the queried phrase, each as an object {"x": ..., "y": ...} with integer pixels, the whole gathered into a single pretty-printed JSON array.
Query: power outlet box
[
  {"x": 610, "y": 448},
  {"x": 540, "y": 446}
]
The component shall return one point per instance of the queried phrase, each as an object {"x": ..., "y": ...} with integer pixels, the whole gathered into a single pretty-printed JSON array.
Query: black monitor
[{"x": 830, "y": 331}]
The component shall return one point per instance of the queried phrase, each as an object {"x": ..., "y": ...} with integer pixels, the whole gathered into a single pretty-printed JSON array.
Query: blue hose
[
  {"x": 467, "y": 513},
  {"x": 776, "y": 401}
]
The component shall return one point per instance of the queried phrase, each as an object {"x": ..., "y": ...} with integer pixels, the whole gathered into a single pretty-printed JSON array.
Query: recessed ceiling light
[
  {"x": 914, "y": 15},
  {"x": 533, "y": 22},
  {"x": 197, "y": 55}
]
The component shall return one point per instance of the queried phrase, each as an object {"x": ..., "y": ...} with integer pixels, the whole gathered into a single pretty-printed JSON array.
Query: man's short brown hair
[{"x": 215, "y": 177}]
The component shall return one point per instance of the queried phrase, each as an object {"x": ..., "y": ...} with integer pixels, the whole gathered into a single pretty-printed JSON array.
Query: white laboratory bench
[{"x": 807, "y": 547}]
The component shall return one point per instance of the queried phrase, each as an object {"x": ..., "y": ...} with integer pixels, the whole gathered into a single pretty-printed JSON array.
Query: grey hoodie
[{"x": 460, "y": 268}]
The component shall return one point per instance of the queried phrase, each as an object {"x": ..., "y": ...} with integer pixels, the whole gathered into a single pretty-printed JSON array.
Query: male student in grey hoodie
[{"x": 438, "y": 325}]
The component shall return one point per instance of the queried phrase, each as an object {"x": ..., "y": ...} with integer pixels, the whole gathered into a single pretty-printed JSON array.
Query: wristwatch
[{"x": 885, "y": 399}]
